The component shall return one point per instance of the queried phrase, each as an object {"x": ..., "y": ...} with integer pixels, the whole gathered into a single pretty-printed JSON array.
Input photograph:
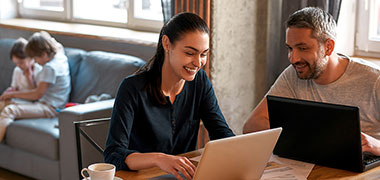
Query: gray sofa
[{"x": 46, "y": 148}]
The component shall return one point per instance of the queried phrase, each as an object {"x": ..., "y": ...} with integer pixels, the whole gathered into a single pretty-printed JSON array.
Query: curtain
[
  {"x": 277, "y": 65},
  {"x": 331, "y": 6},
  {"x": 199, "y": 7},
  {"x": 168, "y": 9}
]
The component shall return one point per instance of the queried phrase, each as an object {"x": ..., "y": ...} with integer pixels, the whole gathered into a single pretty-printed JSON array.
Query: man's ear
[
  {"x": 329, "y": 46},
  {"x": 166, "y": 43}
]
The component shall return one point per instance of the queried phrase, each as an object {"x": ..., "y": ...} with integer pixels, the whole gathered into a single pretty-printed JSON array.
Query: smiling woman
[{"x": 157, "y": 112}]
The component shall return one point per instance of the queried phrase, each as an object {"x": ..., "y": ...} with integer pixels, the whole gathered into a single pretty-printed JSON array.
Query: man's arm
[
  {"x": 259, "y": 118},
  {"x": 370, "y": 144},
  {"x": 33, "y": 94}
]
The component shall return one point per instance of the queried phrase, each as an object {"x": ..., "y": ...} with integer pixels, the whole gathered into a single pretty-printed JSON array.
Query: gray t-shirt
[
  {"x": 358, "y": 86},
  {"x": 57, "y": 73}
]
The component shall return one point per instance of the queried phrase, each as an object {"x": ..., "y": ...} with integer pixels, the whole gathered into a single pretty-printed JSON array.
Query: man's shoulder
[
  {"x": 364, "y": 66},
  {"x": 289, "y": 73}
]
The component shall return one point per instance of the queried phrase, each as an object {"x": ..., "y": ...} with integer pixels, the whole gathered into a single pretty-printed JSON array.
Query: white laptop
[{"x": 239, "y": 157}]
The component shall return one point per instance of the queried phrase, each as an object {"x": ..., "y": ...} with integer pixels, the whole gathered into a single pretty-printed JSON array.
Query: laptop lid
[
  {"x": 320, "y": 133},
  {"x": 239, "y": 157}
]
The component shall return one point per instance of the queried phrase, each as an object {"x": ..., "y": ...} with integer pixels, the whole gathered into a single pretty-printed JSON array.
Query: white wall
[
  {"x": 346, "y": 28},
  {"x": 8, "y": 9}
]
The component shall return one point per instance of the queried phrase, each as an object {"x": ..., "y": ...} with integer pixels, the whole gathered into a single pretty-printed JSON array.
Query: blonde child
[
  {"x": 52, "y": 84},
  {"x": 24, "y": 74}
]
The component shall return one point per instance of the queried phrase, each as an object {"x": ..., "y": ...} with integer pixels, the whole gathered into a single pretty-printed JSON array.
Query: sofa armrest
[
  {"x": 101, "y": 109},
  {"x": 67, "y": 140}
]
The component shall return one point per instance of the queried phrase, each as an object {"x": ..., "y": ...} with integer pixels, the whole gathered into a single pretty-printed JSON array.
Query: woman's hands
[
  {"x": 168, "y": 163},
  {"x": 175, "y": 165},
  {"x": 370, "y": 144}
]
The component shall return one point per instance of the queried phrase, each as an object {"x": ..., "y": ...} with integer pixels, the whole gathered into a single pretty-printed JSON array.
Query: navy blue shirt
[{"x": 140, "y": 125}]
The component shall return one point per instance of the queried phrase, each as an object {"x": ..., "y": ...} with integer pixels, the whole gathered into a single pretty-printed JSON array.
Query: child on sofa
[
  {"x": 53, "y": 83},
  {"x": 24, "y": 74}
]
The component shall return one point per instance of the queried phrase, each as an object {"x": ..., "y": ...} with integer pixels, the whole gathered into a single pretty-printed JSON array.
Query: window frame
[
  {"x": 67, "y": 15},
  {"x": 364, "y": 45}
]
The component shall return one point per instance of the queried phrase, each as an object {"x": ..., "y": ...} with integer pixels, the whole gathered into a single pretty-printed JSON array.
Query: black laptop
[{"x": 319, "y": 133}]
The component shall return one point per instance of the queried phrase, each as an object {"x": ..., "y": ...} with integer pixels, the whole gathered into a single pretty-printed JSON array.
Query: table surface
[{"x": 318, "y": 172}]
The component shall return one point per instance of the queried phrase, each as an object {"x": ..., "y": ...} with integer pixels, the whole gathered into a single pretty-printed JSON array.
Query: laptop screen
[{"x": 320, "y": 133}]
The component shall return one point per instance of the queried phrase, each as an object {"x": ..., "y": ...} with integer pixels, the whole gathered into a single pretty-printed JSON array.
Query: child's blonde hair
[{"x": 40, "y": 42}]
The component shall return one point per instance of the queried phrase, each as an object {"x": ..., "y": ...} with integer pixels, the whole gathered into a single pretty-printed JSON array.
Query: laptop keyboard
[{"x": 369, "y": 158}]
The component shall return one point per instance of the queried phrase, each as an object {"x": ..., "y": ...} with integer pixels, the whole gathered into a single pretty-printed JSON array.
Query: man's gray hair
[{"x": 321, "y": 23}]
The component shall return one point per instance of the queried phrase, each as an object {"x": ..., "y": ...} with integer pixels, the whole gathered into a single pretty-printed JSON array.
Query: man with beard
[{"x": 318, "y": 73}]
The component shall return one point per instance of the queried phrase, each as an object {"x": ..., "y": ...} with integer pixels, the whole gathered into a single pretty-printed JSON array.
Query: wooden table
[{"x": 318, "y": 172}]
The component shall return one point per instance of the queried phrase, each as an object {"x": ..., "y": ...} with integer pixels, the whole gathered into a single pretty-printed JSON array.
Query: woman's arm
[
  {"x": 119, "y": 132},
  {"x": 210, "y": 112}
]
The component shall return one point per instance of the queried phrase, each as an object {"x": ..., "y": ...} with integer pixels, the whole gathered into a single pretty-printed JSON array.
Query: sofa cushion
[
  {"x": 38, "y": 136},
  {"x": 75, "y": 57},
  {"x": 6, "y": 64},
  {"x": 101, "y": 72}
]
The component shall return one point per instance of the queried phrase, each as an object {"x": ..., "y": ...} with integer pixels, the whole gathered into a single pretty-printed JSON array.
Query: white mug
[{"x": 99, "y": 171}]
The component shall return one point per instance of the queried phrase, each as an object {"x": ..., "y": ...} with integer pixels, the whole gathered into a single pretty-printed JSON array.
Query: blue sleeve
[
  {"x": 211, "y": 114},
  {"x": 117, "y": 145}
]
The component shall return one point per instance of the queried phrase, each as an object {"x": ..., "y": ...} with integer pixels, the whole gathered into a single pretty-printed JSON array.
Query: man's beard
[{"x": 316, "y": 69}]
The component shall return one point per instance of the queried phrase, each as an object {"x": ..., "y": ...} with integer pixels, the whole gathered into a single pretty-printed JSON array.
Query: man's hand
[
  {"x": 370, "y": 144},
  {"x": 175, "y": 165}
]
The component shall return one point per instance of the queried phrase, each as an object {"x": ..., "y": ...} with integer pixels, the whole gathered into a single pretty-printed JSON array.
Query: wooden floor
[{"x": 8, "y": 175}]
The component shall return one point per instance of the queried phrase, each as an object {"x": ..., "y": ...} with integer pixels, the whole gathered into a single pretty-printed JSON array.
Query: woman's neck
[{"x": 171, "y": 84}]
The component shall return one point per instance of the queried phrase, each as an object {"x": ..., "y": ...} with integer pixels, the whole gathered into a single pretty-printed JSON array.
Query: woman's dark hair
[
  {"x": 174, "y": 29},
  {"x": 18, "y": 49}
]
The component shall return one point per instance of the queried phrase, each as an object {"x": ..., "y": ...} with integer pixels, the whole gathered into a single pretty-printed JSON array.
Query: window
[
  {"x": 134, "y": 14},
  {"x": 368, "y": 28},
  {"x": 52, "y": 5},
  {"x": 100, "y": 10}
]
